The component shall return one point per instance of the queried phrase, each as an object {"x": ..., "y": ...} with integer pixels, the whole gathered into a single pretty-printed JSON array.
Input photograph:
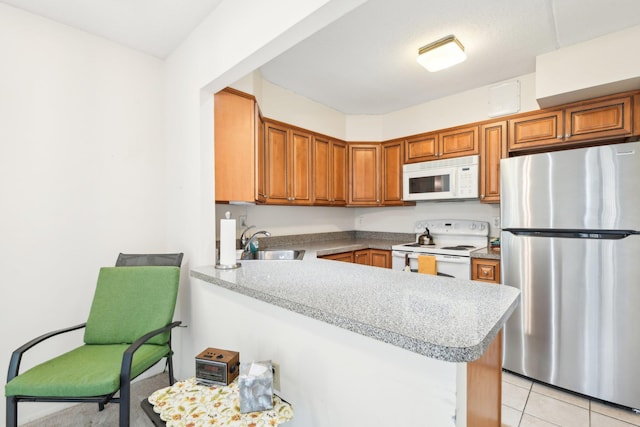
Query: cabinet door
[
  {"x": 458, "y": 142},
  {"x": 234, "y": 146},
  {"x": 636, "y": 114},
  {"x": 321, "y": 170},
  {"x": 362, "y": 257},
  {"x": 299, "y": 168},
  {"x": 344, "y": 257},
  {"x": 600, "y": 120},
  {"x": 380, "y": 258},
  {"x": 421, "y": 148},
  {"x": 392, "y": 173},
  {"x": 493, "y": 147},
  {"x": 276, "y": 155},
  {"x": 364, "y": 174},
  {"x": 485, "y": 270},
  {"x": 261, "y": 179},
  {"x": 535, "y": 130},
  {"x": 338, "y": 195}
]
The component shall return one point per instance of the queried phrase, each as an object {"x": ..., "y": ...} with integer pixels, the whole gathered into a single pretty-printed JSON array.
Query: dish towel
[{"x": 427, "y": 264}]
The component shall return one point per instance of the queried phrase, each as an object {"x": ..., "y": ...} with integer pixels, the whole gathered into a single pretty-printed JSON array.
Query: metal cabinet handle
[
  {"x": 567, "y": 136},
  {"x": 559, "y": 136}
]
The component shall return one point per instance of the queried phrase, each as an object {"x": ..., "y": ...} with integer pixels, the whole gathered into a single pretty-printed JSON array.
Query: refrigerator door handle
[{"x": 574, "y": 234}]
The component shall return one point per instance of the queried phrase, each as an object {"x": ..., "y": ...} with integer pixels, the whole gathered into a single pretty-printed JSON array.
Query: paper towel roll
[{"x": 228, "y": 241}]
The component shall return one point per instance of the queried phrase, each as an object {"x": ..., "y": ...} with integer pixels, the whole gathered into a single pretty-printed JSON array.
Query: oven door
[
  {"x": 428, "y": 184},
  {"x": 447, "y": 265}
]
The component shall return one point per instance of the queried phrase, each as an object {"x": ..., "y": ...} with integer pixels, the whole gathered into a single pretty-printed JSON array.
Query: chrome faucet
[
  {"x": 252, "y": 239},
  {"x": 243, "y": 236}
]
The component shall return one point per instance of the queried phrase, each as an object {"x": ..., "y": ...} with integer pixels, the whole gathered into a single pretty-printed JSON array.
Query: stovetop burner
[{"x": 459, "y": 247}]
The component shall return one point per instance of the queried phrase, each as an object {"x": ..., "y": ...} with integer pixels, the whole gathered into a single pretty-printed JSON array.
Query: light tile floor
[{"x": 529, "y": 404}]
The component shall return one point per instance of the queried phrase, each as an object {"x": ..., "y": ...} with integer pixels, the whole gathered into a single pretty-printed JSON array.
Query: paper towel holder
[
  {"x": 227, "y": 267},
  {"x": 227, "y": 236}
]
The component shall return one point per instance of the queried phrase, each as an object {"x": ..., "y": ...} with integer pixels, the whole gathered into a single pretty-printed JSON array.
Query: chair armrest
[
  {"x": 16, "y": 356},
  {"x": 127, "y": 357}
]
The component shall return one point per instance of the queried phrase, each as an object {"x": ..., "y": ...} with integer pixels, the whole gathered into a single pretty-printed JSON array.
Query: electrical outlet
[
  {"x": 243, "y": 221},
  {"x": 496, "y": 221},
  {"x": 275, "y": 366}
]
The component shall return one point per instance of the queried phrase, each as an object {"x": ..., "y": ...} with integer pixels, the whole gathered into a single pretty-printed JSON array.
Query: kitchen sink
[{"x": 275, "y": 254}]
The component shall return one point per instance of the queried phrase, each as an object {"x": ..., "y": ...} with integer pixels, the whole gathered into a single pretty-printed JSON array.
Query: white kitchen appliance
[
  {"x": 455, "y": 178},
  {"x": 453, "y": 241}
]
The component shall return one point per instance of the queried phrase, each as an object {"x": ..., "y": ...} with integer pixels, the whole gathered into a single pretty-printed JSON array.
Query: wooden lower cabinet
[
  {"x": 485, "y": 270},
  {"x": 484, "y": 375},
  {"x": 380, "y": 258},
  {"x": 373, "y": 257},
  {"x": 343, "y": 256}
]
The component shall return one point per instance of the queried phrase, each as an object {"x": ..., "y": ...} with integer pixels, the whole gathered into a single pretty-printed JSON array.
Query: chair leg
[
  {"x": 125, "y": 403},
  {"x": 12, "y": 411},
  {"x": 170, "y": 364}
]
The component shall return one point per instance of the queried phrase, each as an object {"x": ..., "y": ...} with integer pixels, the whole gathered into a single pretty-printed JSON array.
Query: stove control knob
[{"x": 472, "y": 226}]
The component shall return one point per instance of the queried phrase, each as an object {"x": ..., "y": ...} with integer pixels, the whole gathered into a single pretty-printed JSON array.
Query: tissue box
[{"x": 255, "y": 385}]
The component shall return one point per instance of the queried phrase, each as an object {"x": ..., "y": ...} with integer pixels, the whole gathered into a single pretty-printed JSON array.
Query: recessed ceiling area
[{"x": 365, "y": 62}]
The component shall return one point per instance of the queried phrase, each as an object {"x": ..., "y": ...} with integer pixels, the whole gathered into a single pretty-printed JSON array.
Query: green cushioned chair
[{"x": 127, "y": 332}]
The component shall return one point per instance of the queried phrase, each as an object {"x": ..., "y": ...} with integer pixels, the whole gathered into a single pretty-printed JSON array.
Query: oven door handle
[{"x": 442, "y": 258}]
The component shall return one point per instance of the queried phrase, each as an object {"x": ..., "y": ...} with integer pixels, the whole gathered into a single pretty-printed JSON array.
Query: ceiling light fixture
[{"x": 441, "y": 54}]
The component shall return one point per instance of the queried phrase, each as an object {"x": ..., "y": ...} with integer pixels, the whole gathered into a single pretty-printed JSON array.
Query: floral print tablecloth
[{"x": 189, "y": 404}]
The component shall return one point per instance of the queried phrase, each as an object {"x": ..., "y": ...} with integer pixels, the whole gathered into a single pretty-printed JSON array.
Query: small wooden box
[{"x": 217, "y": 367}]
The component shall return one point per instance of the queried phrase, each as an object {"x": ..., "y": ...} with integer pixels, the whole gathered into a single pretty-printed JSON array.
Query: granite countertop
[
  {"x": 322, "y": 244},
  {"x": 447, "y": 319},
  {"x": 486, "y": 253}
]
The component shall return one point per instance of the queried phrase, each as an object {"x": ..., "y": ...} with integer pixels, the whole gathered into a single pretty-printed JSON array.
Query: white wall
[
  {"x": 81, "y": 173},
  {"x": 605, "y": 65},
  {"x": 227, "y": 46}
]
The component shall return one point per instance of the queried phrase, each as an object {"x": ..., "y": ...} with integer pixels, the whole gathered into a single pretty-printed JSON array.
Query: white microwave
[{"x": 455, "y": 178}]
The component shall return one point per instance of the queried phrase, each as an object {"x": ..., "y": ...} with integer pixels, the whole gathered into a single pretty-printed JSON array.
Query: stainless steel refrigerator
[{"x": 570, "y": 243}]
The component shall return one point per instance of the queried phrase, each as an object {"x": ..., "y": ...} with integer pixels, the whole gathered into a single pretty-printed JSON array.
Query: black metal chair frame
[
  {"x": 125, "y": 370},
  {"x": 125, "y": 376}
]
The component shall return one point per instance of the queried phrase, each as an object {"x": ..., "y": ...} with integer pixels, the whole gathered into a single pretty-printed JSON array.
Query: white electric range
[{"x": 453, "y": 241}]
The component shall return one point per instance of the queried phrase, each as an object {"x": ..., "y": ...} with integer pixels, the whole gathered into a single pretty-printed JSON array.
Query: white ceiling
[
  {"x": 364, "y": 63},
  {"x": 155, "y": 27}
]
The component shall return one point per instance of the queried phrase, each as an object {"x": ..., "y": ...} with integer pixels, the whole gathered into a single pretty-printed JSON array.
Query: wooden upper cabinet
[
  {"x": 329, "y": 171},
  {"x": 455, "y": 142},
  {"x": 300, "y": 168},
  {"x": 596, "y": 120},
  {"x": 535, "y": 129},
  {"x": 235, "y": 115},
  {"x": 339, "y": 173},
  {"x": 421, "y": 148},
  {"x": 636, "y": 114},
  {"x": 392, "y": 156},
  {"x": 493, "y": 147},
  {"x": 458, "y": 142},
  {"x": 364, "y": 174},
  {"x": 288, "y": 165},
  {"x": 260, "y": 169},
  {"x": 605, "y": 119}
]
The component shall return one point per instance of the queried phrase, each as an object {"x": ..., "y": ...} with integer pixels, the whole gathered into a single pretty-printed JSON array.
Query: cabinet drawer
[{"x": 485, "y": 270}]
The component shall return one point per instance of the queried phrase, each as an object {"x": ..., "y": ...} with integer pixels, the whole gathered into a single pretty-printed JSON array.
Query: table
[{"x": 189, "y": 403}]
